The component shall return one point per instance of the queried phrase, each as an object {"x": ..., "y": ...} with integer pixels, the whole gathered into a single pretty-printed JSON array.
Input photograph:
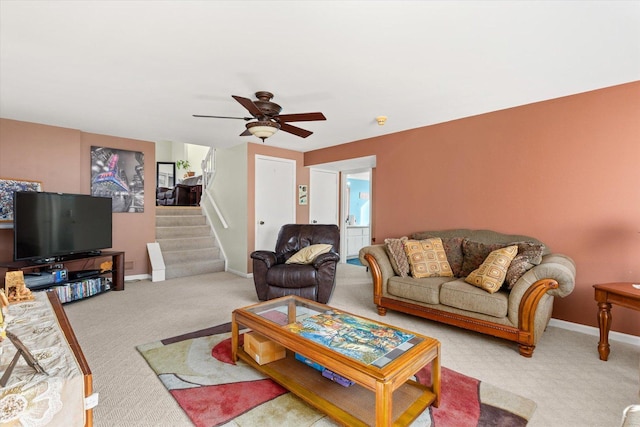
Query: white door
[
  {"x": 323, "y": 197},
  {"x": 275, "y": 199}
]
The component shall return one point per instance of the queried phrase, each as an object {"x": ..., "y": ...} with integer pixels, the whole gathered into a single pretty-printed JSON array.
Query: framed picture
[
  {"x": 302, "y": 194},
  {"x": 118, "y": 174},
  {"x": 23, "y": 351},
  {"x": 8, "y": 186}
]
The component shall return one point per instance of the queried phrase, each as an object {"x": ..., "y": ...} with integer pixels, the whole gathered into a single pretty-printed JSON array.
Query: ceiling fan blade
[
  {"x": 249, "y": 105},
  {"x": 295, "y": 130},
  {"x": 246, "y": 119},
  {"x": 246, "y": 133},
  {"x": 301, "y": 117}
]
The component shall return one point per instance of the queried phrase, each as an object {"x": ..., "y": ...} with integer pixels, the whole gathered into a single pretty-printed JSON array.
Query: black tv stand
[
  {"x": 83, "y": 274},
  {"x": 41, "y": 261},
  {"x": 72, "y": 257},
  {"x": 71, "y": 264}
]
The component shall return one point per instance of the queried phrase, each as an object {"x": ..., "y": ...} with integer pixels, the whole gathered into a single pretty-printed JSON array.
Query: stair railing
[{"x": 208, "y": 174}]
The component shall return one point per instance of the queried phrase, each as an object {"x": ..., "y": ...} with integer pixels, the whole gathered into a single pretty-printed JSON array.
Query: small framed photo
[{"x": 303, "y": 197}]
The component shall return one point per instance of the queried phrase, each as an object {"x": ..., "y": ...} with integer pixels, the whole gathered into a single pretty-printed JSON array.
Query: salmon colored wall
[
  {"x": 566, "y": 171},
  {"x": 60, "y": 158},
  {"x": 302, "y": 177}
]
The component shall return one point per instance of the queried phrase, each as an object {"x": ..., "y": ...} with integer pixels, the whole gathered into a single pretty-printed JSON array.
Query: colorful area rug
[{"x": 197, "y": 370}]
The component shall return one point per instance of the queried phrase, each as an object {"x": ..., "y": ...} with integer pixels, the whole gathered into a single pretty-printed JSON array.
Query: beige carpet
[{"x": 570, "y": 385}]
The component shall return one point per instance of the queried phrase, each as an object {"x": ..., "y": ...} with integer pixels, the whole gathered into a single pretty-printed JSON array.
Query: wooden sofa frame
[{"x": 524, "y": 335}]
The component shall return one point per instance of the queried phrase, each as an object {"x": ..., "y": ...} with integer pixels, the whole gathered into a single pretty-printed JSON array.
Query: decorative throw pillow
[
  {"x": 308, "y": 254},
  {"x": 474, "y": 254},
  {"x": 529, "y": 255},
  {"x": 453, "y": 249},
  {"x": 491, "y": 273},
  {"x": 397, "y": 256},
  {"x": 427, "y": 258}
]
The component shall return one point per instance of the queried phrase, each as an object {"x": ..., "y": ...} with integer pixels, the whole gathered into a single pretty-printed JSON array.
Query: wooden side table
[{"x": 623, "y": 294}]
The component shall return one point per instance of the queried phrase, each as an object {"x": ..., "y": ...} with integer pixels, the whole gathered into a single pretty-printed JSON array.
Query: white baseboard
[
  {"x": 137, "y": 277},
  {"x": 590, "y": 330},
  {"x": 240, "y": 273}
]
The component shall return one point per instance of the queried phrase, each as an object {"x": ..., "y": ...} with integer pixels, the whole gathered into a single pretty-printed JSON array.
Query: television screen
[{"x": 50, "y": 226}]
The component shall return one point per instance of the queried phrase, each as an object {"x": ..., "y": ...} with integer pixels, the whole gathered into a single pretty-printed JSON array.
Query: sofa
[{"x": 457, "y": 281}]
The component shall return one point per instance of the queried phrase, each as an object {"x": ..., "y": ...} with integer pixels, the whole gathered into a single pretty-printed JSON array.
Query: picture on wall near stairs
[{"x": 118, "y": 174}]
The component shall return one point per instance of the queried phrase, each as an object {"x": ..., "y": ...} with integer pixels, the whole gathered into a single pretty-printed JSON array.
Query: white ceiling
[{"x": 140, "y": 69}]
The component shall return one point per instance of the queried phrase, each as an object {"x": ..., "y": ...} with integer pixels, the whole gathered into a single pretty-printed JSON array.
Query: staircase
[{"x": 187, "y": 244}]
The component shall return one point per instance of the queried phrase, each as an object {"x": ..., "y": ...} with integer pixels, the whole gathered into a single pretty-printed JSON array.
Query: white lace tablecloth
[{"x": 32, "y": 399}]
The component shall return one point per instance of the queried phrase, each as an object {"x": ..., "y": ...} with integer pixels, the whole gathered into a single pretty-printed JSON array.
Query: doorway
[
  {"x": 347, "y": 168},
  {"x": 356, "y": 208}
]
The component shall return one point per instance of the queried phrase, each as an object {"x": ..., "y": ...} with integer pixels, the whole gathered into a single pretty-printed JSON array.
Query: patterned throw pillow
[
  {"x": 529, "y": 255},
  {"x": 397, "y": 256},
  {"x": 474, "y": 254},
  {"x": 491, "y": 273},
  {"x": 308, "y": 254},
  {"x": 453, "y": 249},
  {"x": 427, "y": 258}
]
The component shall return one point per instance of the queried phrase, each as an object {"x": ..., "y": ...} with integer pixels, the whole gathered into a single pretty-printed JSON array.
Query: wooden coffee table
[
  {"x": 623, "y": 294},
  {"x": 383, "y": 394}
]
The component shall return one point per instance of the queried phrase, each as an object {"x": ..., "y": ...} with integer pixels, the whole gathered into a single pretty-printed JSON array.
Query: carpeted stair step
[
  {"x": 180, "y": 220},
  {"x": 178, "y": 210},
  {"x": 186, "y": 244},
  {"x": 181, "y": 232},
  {"x": 194, "y": 268},
  {"x": 191, "y": 255}
]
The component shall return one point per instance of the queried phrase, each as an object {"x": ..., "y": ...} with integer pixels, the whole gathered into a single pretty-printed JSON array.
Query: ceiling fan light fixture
[{"x": 263, "y": 129}]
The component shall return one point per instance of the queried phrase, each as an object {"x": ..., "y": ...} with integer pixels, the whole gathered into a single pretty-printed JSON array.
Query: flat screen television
[{"x": 51, "y": 227}]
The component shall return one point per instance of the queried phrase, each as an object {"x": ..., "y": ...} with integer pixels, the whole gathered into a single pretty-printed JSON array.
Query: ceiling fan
[{"x": 268, "y": 117}]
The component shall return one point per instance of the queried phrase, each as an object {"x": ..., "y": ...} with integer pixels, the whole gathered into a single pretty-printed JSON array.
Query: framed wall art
[
  {"x": 302, "y": 194},
  {"x": 118, "y": 174},
  {"x": 8, "y": 186}
]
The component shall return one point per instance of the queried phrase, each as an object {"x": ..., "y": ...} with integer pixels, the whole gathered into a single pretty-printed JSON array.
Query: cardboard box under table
[{"x": 262, "y": 349}]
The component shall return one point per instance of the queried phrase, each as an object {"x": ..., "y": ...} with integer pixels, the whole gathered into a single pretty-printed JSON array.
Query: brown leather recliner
[{"x": 273, "y": 278}]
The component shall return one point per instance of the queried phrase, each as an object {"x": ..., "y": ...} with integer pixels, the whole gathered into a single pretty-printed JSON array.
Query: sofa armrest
[
  {"x": 558, "y": 267},
  {"x": 377, "y": 258},
  {"x": 268, "y": 257},
  {"x": 379, "y": 253},
  {"x": 325, "y": 265},
  {"x": 327, "y": 257},
  {"x": 262, "y": 262},
  {"x": 555, "y": 267},
  {"x": 531, "y": 298}
]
